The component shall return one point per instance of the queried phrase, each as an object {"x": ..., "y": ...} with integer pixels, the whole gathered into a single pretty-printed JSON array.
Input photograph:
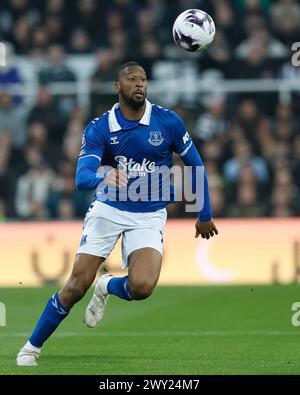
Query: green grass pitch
[{"x": 179, "y": 330}]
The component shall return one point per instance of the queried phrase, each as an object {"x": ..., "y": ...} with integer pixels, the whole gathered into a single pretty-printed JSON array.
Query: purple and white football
[{"x": 193, "y": 30}]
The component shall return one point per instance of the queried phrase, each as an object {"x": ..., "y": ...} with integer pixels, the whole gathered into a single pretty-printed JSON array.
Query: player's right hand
[{"x": 116, "y": 178}]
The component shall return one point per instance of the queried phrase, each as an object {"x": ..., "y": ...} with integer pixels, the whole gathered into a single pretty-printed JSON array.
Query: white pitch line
[{"x": 161, "y": 334}]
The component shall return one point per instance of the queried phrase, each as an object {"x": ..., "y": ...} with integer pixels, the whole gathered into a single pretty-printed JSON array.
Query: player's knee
[{"x": 141, "y": 290}]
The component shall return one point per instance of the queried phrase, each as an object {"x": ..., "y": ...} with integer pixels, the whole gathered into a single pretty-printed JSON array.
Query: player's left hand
[{"x": 206, "y": 229}]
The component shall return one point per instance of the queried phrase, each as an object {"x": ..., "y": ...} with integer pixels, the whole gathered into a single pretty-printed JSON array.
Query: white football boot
[
  {"x": 28, "y": 356},
  {"x": 95, "y": 309}
]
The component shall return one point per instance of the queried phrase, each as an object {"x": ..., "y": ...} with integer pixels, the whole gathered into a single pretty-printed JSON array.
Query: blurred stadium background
[{"x": 240, "y": 101}]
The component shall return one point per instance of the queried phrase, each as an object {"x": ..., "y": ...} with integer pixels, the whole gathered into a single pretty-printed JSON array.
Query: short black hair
[{"x": 127, "y": 64}]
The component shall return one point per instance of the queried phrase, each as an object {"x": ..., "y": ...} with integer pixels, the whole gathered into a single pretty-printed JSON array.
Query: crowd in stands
[{"x": 250, "y": 142}]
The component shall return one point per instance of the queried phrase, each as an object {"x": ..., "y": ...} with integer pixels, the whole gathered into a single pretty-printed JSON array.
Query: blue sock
[
  {"x": 119, "y": 286},
  {"x": 51, "y": 317}
]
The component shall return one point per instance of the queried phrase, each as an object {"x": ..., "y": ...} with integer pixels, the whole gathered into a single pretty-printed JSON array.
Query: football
[{"x": 194, "y": 30}]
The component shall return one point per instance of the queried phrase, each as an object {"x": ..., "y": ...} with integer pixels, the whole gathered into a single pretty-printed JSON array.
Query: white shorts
[{"x": 104, "y": 224}]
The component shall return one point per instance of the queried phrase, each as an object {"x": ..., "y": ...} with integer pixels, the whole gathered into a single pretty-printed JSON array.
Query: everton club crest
[{"x": 155, "y": 138}]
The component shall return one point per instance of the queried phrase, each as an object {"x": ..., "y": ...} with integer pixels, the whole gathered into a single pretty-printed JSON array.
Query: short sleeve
[{"x": 181, "y": 141}]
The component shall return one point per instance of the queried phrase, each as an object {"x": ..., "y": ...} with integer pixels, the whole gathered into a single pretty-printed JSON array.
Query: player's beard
[{"x": 131, "y": 102}]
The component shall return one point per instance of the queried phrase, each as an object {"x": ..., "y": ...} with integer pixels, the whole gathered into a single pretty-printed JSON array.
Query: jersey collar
[{"x": 114, "y": 125}]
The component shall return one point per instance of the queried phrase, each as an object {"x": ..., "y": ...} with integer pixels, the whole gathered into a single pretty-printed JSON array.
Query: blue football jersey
[{"x": 141, "y": 148}]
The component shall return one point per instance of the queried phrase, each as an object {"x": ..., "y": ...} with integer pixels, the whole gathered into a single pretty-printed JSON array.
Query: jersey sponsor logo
[
  {"x": 155, "y": 138},
  {"x": 186, "y": 138},
  {"x": 114, "y": 140},
  {"x": 134, "y": 168}
]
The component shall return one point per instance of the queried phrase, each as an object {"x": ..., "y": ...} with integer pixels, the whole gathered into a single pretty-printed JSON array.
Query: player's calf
[
  {"x": 82, "y": 277},
  {"x": 73, "y": 291}
]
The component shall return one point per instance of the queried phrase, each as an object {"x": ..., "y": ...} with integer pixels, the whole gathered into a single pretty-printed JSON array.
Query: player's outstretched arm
[
  {"x": 204, "y": 225},
  {"x": 184, "y": 147}
]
